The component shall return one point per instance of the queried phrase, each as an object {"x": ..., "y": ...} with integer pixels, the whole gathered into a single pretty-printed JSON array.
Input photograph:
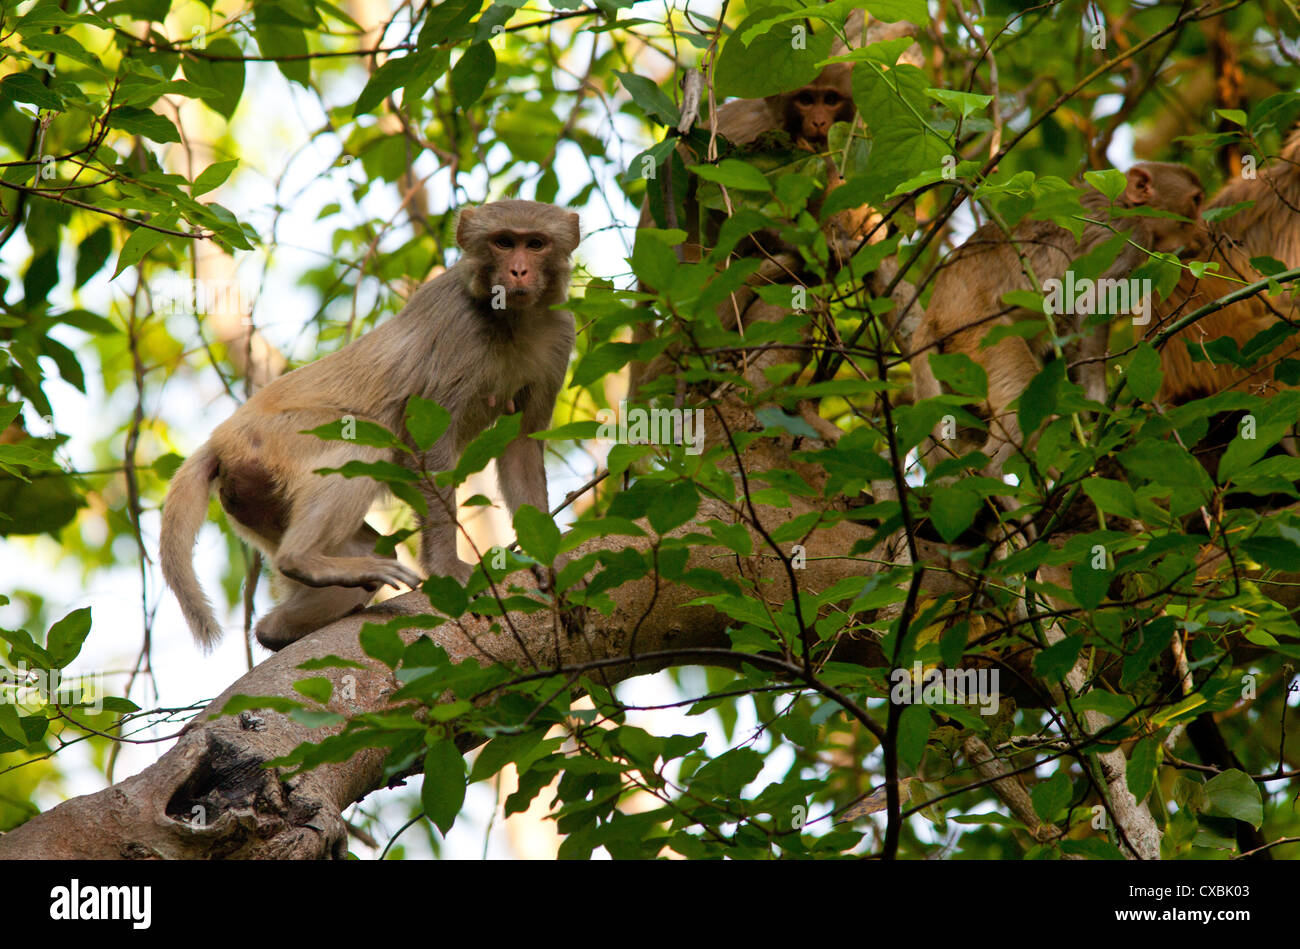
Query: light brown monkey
[
  {"x": 806, "y": 116},
  {"x": 966, "y": 302},
  {"x": 482, "y": 339},
  {"x": 1269, "y": 227},
  {"x": 1185, "y": 380}
]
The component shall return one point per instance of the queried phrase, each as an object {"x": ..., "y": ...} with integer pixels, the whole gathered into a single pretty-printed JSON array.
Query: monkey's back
[
  {"x": 440, "y": 346},
  {"x": 1272, "y": 226}
]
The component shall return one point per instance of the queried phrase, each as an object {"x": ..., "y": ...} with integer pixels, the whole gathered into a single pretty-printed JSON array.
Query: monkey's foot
[{"x": 369, "y": 573}]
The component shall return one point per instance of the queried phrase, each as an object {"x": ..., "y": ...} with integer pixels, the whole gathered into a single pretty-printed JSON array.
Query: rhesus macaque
[
  {"x": 1269, "y": 228},
  {"x": 481, "y": 340},
  {"x": 967, "y": 299},
  {"x": 806, "y": 114},
  {"x": 1185, "y": 380}
]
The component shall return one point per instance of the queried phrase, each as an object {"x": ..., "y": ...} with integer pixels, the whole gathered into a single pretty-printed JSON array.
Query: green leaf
[
  {"x": 895, "y": 107},
  {"x": 1235, "y": 116},
  {"x": 222, "y": 80},
  {"x": 64, "y": 640},
  {"x": 961, "y": 373},
  {"x": 141, "y": 241},
  {"x": 145, "y": 123},
  {"x": 316, "y": 688},
  {"x": 11, "y": 724},
  {"x": 470, "y": 75},
  {"x": 734, "y": 173},
  {"x": 1109, "y": 181},
  {"x": 1144, "y": 373},
  {"x": 1039, "y": 399},
  {"x": 25, "y": 87},
  {"x": 487, "y": 446},
  {"x": 1111, "y": 497},
  {"x": 1089, "y": 584},
  {"x": 1051, "y": 796},
  {"x": 447, "y": 20},
  {"x": 649, "y": 98},
  {"x": 964, "y": 104},
  {"x": 92, "y": 254},
  {"x": 357, "y": 432},
  {"x": 953, "y": 509},
  {"x": 1056, "y": 660},
  {"x": 1142, "y": 767},
  {"x": 278, "y": 41},
  {"x": 538, "y": 536},
  {"x": 392, "y": 75},
  {"x": 213, "y": 176},
  {"x": 427, "y": 421},
  {"x": 1234, "y": 794},
  {"x": 444, "y": 784},
  {"x": 913, "y": 733},
  {"x": 729, "y": 772},
  {"x": 769, "y": 63},
  {"x": 673, "y": 506},
  {"x": 382, "y": 643},
  {"x": 446, "y": 595}
]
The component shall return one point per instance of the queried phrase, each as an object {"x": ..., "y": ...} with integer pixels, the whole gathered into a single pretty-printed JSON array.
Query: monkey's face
[
  {"x": 812, "y": 111},
  {"x": 517, "y": 262}
]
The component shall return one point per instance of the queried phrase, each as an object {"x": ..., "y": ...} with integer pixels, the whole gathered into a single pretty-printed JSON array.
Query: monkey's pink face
[
  {"x": 519, "y": 264},
  {"x": 816, "y": 110}
]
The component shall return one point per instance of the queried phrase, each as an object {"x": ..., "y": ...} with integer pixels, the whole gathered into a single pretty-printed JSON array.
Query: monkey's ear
[
  {"x": 574, "y": 231},
  {"x": 1140, "y": 189},
  {"x": 462, "y": 226}
]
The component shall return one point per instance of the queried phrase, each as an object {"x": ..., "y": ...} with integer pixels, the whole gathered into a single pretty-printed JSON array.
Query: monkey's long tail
[{"x": 184, "y": 511}]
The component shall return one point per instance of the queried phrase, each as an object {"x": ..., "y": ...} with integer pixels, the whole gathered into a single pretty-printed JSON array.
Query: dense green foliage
[{"x": 470, "y": 100}]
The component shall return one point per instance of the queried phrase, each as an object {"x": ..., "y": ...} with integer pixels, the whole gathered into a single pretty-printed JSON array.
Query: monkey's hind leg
[
  {"x": 325, "y": 544},
  {"x": 302, "y": 609}
]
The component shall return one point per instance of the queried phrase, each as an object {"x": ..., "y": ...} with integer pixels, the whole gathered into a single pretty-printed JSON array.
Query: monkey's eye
[
  {"x": 832, "y": 98},
  {"x": 804, "y": 98},
  {"x": 1198, "y": 198},
  {"x": 536, "y": 243},
  {"x": 505, "y": 242}
]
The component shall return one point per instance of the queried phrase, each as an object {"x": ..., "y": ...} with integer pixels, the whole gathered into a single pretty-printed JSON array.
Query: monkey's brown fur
[
  {"x": 966, "y": 303},
  {"x": 1271, "y": 227},
  {"x": 449, "y": 344},
  {"x": 806, "y": 115}
]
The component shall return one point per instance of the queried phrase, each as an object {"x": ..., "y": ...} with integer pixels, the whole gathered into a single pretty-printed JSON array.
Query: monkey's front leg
[
  {"x": 521, "y": 470},
  {"x": 438, "y": 534}
]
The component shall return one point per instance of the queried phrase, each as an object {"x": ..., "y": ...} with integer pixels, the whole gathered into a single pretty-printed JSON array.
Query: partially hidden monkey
[
  {"x": 483, "y": 339},
  {"x": 805, "y": 115},
  {"x": 967, "y": 299},
  {"x": 1270, "y": 227}
]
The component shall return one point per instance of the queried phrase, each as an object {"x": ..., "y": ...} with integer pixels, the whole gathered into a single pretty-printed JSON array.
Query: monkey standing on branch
[
  {"x": 481, "y": 340},
  {"x": 967, "y": 299}
]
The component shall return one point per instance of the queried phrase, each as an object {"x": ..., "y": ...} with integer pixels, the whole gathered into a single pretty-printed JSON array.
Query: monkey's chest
[{"x": 485, "y": 402}]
